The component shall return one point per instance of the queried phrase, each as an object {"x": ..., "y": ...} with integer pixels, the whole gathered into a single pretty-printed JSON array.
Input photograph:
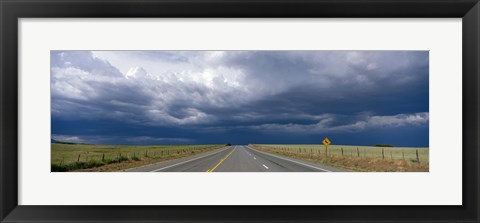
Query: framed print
[{"x": 254, "y": 111}]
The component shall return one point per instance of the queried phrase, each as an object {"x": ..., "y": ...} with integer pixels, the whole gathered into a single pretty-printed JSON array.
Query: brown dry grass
[
  {"x": 359, "y": 164},
  {"x": 121, "y": 166},
  {"x": 142, "y": 162}
]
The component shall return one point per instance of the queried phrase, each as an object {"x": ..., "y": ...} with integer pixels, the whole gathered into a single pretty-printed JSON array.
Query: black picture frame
[{"x": 12, "y": 10}]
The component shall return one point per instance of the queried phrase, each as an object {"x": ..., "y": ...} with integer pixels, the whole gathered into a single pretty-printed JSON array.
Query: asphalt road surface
[{"x": 235, "y": 159}]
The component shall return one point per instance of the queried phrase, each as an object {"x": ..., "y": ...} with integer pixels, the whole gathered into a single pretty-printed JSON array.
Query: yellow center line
[{"x": 221, "y": 161}]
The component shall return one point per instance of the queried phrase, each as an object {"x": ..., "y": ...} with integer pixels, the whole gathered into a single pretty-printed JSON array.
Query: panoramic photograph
[{"x": 239, "y": 111}]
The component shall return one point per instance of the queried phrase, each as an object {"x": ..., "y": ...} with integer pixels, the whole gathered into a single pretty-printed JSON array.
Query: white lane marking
[
  {"x": 265, "y": 166},
  {"x": 254, "y": 158},
  {"x": 186, "y": 161},
  {"x": 318, "y": 168}
]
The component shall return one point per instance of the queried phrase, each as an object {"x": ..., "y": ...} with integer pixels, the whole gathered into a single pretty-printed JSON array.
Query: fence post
[
  {"x": 358, "y": 152},
  {"x": 403, "y": 155},
  {"x": 383, "y": 153},
  {"x": 342, "y": 150},
  {"x": 78, "y": 159},
  {"x": 103, "y": 157},
  {"x": 326, "y": 154},
  {"x": 418, "y": 160}
]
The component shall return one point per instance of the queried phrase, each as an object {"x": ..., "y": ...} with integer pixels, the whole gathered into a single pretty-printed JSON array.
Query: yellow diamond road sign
[{"x": 326, "y": 141}]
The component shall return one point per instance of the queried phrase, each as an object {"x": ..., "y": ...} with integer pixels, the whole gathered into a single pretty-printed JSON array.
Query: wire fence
[{"x": 391, "y": 153}]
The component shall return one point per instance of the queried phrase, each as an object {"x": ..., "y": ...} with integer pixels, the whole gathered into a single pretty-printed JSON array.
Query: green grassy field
[
  {"x": 391, "y": 153},
  {"x": 70, "y": 157}
]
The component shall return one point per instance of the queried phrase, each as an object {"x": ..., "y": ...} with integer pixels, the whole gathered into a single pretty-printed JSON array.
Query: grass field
[
  {"x": 357, "y": 158},
  {"x": 393, "y": 153},
  {"x": 74, "y": 157}
]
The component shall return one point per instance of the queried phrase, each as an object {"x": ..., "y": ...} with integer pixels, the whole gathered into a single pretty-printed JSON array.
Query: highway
[{"x": 238, "y": 158}]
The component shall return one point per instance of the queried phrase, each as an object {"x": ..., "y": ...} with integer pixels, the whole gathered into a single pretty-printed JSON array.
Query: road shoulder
[
  {"x": 165, "y": 163},
  {"x": 321, "y": 167}
]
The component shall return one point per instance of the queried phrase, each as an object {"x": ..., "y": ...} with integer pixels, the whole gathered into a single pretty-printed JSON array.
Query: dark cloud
[{"x": 202, "y": 94}]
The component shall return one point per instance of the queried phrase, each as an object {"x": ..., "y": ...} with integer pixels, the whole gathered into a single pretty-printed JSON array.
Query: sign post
[{"x": 326, "y": 142}]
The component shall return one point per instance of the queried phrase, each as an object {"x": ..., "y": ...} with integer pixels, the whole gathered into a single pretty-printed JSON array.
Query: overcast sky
[{"x": 240, "y": 97}]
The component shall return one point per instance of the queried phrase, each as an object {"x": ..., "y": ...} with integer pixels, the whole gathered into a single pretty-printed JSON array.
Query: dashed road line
[{"x": 318, "y": 168}]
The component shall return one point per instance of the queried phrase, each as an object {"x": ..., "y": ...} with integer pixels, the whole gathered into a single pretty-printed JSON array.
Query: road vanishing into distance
[{"x": 238, "y": 158}]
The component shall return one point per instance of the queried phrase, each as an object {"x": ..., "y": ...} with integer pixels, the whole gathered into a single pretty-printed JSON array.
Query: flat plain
[
  {"x": 393, "y": 153},
  {"x": 84, "y": 157},
  {"x": 356, "y": 158},
  {"x": 239, "y": 158}
]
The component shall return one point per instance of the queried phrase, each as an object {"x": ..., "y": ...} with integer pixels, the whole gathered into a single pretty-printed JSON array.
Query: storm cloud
[{"x": 209, "y": 96}]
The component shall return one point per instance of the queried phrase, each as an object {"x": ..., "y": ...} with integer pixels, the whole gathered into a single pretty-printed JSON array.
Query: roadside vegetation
[
  {"x": 357, "y": 158},
  {"x": 82, "y": 157}
]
